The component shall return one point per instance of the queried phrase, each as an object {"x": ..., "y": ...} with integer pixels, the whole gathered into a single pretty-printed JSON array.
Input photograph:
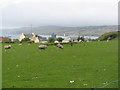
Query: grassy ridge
[
  {"x": 113, "y": 35},
  {"x": 91, "y": 63},
  {"x": 0, "y": 66}
]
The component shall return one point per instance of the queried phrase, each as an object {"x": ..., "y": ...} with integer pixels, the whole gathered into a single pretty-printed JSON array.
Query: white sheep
[
  {"x": 72, "y": 81},
  {"x": 60, "y": 46},
  {"x": 20, "y": 44},
  {"x": 42, "y": 47},
  {"x": 7, "y": 46}
]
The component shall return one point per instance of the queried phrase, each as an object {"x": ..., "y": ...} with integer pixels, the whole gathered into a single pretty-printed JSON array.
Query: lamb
[
  {"x": 60, "y": 46},
  {"x": 7, "y": 46},
  {"x": 42, "y": 47}
]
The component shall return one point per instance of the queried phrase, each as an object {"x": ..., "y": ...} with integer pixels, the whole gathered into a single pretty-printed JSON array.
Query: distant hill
[
  {"x": 60, "y": 30},
  {"x": 109, "y": 35}
]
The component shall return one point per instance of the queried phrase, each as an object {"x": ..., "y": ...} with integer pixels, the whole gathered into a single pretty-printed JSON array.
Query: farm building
[
  {"x": 4, "y": 39},
  {"x": 53, "y": 35},
  {"x": 32, "y": 37},
  {"x": 73, "y": 39}
]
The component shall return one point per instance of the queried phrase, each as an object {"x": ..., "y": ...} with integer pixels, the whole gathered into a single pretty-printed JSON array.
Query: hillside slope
[
  {"x": 109, "y": 35},
  {"x": 61, "y": 30}
]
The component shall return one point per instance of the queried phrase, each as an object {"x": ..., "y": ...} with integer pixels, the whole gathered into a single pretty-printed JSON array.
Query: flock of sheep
[
  {"x": 45, "y": 46},
  {"x": 42, "y": 47}
]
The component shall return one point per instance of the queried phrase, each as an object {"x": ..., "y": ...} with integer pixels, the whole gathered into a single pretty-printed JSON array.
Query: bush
[
  {"x": 60, "y": 39},
  {"x": 8, "y": 40},
  {"x": 15, "y": 40},
  {"x": 25, "y": 40},
  {"x": 51, "y": 39},
  {"x": 30, "y": 41}
]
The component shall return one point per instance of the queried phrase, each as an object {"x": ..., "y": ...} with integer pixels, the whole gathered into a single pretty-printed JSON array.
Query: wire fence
[{"x": 107, "y": 84}]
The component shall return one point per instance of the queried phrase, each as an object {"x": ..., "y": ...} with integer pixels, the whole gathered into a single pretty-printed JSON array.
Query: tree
[
  {"x": 25, "y": 39},
  {"x": 30, "y": 42},
  {"x": 51, "y": 39},
  {"x": 6, "y": 40},
  {"x": 70, "y": 41},
  {"x": 78, "y": 39},
  {"x": 15, "y": 40},
  {"x": 82, "y": 38},
  {"x": 60, "y": 39}
]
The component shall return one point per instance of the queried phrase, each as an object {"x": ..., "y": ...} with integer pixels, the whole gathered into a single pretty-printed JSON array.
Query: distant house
[
  {"x": 43, "y": 41},
  {"x": 56, "y": 42},
  {"x": 43, "y": 38},
  {"x": 65, "y": 41},
  {"x": 53, "y": 35},
  {"x": 4, "y": 39},
  {"x": 73, "y": 39},
  {"x": 32, "y": 37}
]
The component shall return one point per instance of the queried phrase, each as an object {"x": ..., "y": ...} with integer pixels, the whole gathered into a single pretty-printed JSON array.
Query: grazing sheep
[
  {"x": 72, "y": 81},
  {"x": 20, "y": 44},
  {"x": 7, "y": 46},
  {"x": 60, "y": 46},
  {"x": 42, "y": 47}
]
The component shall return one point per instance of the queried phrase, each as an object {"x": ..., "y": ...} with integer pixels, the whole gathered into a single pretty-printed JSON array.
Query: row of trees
[
  {"x": 60, "y": 39},
  {"x": 8, "y": 40},
  {"x": 52, "y": 39}
]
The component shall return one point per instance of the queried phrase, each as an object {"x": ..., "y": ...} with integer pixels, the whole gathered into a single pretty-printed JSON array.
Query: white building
[{"x": 32, "y": 37}]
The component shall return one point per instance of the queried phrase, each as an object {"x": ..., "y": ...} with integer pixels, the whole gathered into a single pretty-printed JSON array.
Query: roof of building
[
  {"x": 4, "y": 38},
  {"x": 39, "y": 37},
  {"x": 42, "y": 38},
  {"x": 73, "y": 38}
]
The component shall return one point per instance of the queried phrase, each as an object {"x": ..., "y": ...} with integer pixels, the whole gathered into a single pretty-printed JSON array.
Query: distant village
[{"x": 39, "y": 39}]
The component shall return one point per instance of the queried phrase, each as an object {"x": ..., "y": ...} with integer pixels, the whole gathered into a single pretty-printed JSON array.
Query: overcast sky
[{"x": 58, "y": 12}]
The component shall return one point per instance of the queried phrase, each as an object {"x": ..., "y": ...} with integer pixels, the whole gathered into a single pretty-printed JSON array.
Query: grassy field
[
  {"x": 89, "y": 64},
  {"x": 0, "y": 67}
]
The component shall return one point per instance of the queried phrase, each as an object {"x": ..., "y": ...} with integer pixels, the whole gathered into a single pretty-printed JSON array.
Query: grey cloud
[{"x": 62, "y": 13}]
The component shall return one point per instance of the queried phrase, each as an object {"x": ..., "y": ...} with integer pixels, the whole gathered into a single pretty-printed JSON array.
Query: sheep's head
[{"x": 9, "y": 45}]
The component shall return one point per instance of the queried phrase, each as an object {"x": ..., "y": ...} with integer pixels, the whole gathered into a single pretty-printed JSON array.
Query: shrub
[
  {"x": 30, "y": 41},
  {"x": 15, "y": 40},
  {"x": 25, "y": 40},
  {"x": 51, "y": 39},
  {"x": 60, "y": 39}
]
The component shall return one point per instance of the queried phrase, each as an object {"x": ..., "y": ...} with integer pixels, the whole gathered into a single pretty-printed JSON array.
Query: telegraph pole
[
  {"x": 31, "y": 28},
  {"x": 79, "y": 34}
]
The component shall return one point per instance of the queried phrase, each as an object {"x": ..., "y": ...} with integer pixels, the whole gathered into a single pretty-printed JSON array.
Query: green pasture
[
  {"x": 88, "y": 64},
  {"x": 0, "y": 67}
]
